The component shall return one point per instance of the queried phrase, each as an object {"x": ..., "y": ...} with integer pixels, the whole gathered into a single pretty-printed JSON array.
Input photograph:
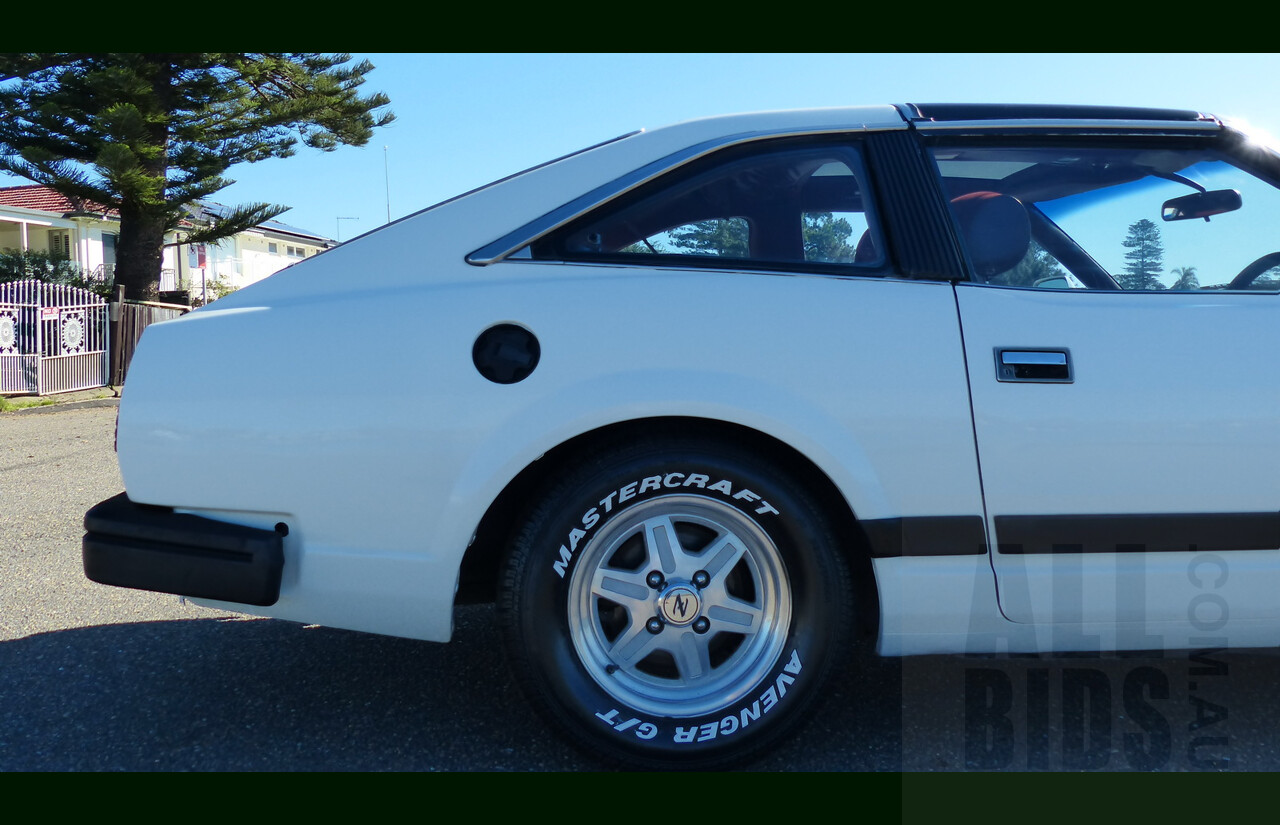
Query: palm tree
[{"x": 1186, "y": 278}]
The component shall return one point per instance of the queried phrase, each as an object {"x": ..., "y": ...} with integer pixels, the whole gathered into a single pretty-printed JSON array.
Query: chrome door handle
[{"x": 1034, "y": 365}]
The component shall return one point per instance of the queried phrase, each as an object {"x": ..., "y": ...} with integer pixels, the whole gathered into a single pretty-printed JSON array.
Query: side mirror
[{"x": 1201, "y": 205}]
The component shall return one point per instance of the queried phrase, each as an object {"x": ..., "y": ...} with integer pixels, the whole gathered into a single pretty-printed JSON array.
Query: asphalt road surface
[{"x": 94, "y": 678}]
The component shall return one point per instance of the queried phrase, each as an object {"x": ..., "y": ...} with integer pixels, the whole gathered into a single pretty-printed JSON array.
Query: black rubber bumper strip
[
  {"x": 154, "y": 548},
  {"x": 1137, "y": 533},
  {"x": 925, "y": 536}
]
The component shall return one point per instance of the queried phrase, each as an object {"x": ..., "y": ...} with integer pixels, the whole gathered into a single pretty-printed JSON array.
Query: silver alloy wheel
[{"x": 679, "y": 606}]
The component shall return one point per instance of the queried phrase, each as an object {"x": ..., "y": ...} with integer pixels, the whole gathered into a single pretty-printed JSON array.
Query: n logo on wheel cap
[{"x": 680, "y": 605}]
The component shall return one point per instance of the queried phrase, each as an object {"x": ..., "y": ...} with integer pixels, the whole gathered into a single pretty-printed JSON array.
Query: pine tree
[
  {"x": 1145, "y": 258},
  {"x": 723, "y": 237},
  {"x": 826, "y": 238},
  {"x": 150, "y": 134}
]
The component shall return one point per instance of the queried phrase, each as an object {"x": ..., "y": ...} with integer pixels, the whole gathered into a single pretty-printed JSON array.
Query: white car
[{"x": 695, "y": 404}]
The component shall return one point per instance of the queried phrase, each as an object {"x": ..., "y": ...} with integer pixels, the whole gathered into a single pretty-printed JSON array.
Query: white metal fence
[{"x": 53, "y": 339}]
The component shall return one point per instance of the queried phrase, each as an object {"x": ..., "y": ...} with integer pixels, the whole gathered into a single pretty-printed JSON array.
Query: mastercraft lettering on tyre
[{"x": 690, "y": 602}]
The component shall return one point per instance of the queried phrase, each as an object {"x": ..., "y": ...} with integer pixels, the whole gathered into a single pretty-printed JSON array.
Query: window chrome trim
[
  {"x": 885, "y": 274},
  {"x": 513, "y": 241}
]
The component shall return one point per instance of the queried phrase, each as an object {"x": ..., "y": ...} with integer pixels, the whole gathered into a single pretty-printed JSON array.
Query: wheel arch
[{"x": 478, "y": 575}]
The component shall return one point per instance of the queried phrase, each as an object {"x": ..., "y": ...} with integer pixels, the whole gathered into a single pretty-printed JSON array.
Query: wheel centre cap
[{"x": 680, "y": 605}]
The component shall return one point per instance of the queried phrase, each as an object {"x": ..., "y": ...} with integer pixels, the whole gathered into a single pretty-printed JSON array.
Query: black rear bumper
[{"x": 154, "y": 548}]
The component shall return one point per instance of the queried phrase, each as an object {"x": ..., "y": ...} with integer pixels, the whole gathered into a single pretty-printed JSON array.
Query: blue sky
[{"x": 466, "y": 119}]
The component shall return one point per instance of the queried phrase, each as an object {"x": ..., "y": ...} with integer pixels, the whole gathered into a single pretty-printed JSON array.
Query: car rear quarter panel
[
  {"x": 339, "y": 396},
  {"x": 361, "y": 422}
]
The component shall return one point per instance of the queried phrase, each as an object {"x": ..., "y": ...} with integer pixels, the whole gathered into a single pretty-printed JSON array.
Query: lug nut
[
  {"x": 701, "y": 625},
  {"x": 701, "y": 579},
  {"x": 654, "y": 625},
  {"x": 655, "y": 580}
]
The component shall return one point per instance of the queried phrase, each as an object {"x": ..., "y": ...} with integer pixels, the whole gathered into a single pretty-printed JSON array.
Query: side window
[
  {"x": 1172, "y": 217},
  {"x": 754, "y": 206}
]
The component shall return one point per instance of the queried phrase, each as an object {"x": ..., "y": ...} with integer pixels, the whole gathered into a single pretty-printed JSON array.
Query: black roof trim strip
[{"x": 944, "y": 112}]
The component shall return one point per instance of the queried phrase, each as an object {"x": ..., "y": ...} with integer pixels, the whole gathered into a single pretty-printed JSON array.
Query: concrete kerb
[{"x": 62, "y": 402}]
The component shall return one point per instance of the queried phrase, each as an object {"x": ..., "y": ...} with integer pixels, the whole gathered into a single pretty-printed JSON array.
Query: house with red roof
[{"x": 35, "y": 217}]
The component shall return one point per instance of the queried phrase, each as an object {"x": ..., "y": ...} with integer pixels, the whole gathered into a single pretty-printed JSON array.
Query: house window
[
  {"x": 273, "y": 249},
  {"x": 60, "y": 244}
]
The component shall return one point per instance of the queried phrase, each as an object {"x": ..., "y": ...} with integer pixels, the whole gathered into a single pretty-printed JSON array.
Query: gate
[
  {"x": 53, "y": 338},
  {"x": 135, "y": 317}
]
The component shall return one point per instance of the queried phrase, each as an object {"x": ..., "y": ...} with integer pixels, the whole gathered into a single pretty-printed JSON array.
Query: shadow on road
[{"x": 260, "y": 695}]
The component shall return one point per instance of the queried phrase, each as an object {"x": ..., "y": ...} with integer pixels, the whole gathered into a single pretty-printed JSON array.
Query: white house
[{"x": 37, "y": 218}]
